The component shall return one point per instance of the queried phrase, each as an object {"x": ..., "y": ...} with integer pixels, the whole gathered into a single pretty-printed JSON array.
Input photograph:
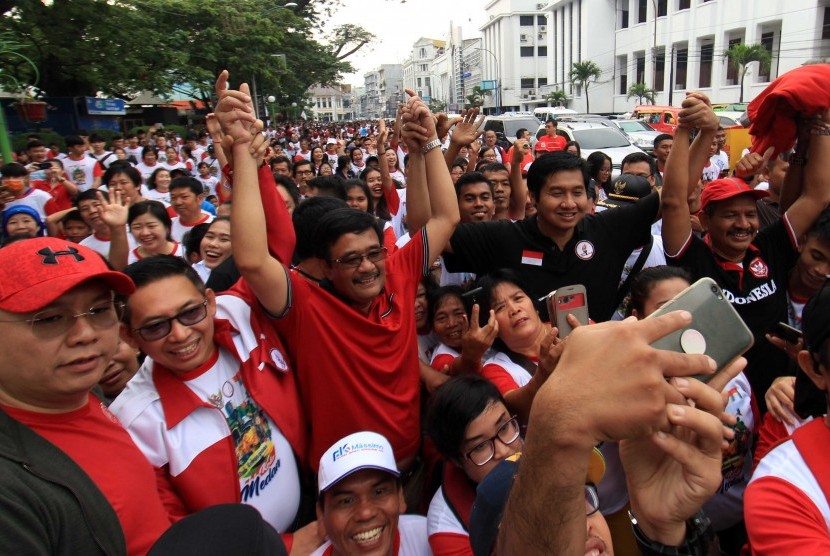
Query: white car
[
  {"x": 595, "y": 136},
  {"x": 641, "y": 134}
]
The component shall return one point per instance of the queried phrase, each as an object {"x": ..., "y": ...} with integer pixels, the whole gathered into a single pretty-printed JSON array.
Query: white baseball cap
[
  {"x": 331, "y": 141},
  {"x": 361, "y": 450}
]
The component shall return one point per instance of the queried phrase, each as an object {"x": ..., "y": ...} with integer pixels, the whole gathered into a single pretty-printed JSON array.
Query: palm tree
[
  {"x": 582, "y": 74},
  {"x": 557, "y": 98},
  {"x": 741, "y": 55},
  {"x": 476, "y": 96},
  {"x": 641, "y": 91}
]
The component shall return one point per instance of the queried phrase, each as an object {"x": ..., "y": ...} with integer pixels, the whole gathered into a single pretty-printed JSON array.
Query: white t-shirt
[
  {"x": 208, "y": 183},
  {"x": 102, "y": 246},
  {"x": 105, "y": 158},
  {"x": 134, "y": 152},
  {"x": 268, "y": 475},
  {"x": 156, "y": 195},
  {"x": 147, "y": 171},
  {"x": 413, "y": 535},
  {"x": 82, "y": 172},
  {"x": 36, "y": 199}
]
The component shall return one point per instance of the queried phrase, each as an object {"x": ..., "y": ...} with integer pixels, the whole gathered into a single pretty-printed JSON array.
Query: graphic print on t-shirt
[{"x": 251, "y": 432}]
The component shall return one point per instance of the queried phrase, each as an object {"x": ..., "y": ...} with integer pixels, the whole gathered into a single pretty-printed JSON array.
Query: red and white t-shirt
[
  {"x": 504, "y": 373},
  {"x": 179, "y": 228},
  {"x": 82, "y": 172},
  {"x": 785, "y": 508},
  {"x": 102, "y": 246},
  {"x": 97, "y": 442},
  {"x": 443, "y": 356},
  {"x": 136, "y": 256},
  {"x": 37, "y": 199},
  {"x": 447, "y": 535},
  {"x": 411, "y": 539}
]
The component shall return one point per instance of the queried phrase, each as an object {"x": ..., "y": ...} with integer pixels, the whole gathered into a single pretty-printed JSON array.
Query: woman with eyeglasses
[{"x": 473, "y": 431}]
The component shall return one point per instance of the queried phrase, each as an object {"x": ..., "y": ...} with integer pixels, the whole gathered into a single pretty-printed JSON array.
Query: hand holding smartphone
[
  {"x": 716, "y": 329},
  {"x": 569, "y": 300}
]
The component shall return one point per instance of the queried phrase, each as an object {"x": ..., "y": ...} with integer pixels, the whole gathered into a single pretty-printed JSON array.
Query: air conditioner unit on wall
[
  {"x": 543, "y": 28},
  {"x": 541, "y": 36},
  {"x": 540, "y": 6},
  {"x": 531, "y": 92},
  {"x": 523, "y": 37}
]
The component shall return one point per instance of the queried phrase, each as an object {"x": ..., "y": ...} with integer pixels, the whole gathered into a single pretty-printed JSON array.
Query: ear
[
  {"x": 810, "y": 368},
  {"x": 318, "y": 508},
  {"x": 127, "y": 335},
  {"x": 401, "y": 500},
  {"x": 210, "y": 295},
  {"x": 704, "y": 219}
]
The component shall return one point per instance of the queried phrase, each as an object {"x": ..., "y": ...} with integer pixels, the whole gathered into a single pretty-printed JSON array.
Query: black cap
[
  {"x": 626, "y": 190},
  {"x": 223, "y": 530}
]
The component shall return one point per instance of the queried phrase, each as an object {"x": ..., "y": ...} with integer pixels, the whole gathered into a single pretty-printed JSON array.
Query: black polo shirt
[
  {"x": 757, "y": 289},
  {"x": 594, "y": 257}
]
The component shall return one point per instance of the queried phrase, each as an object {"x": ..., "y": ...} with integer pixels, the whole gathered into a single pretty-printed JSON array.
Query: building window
[
  {"x": 542, "y": 81},
  {"x": 641, "y": 67},
  {"x": 642, "y": 11},
  {"x": 541, "y": 20},
  {"x": 542, "y": 50},
  {"x": 526, "y": 51},
  {"x": 825, "y": 24},
  {"x": 767, "y": 40},
  {"x": 662, "y": 8},
  {"x": 707, "y": 54},
  {"x": 684, "y": 4},
  {"x": 426, "y": 81},
  {"x": 680, "y": 67},
  {"x": 659, "y": 69},
  {"x": 622, "y": 71},
  {"x": 624, "y": 14},
  {"x": 526, "y": 20},
  {"x": 423, "y": 53},
  {"x": 419, "y": 81},
  {"x": 527, "y": 82},
  {"x": 731, "y": 70}
]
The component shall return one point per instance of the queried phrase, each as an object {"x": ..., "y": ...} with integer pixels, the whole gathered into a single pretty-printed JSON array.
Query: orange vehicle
[{"x": 661, "y": 118}]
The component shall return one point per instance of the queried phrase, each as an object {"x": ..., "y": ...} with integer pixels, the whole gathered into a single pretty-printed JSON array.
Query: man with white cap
[{"x": 361, "y": 501}]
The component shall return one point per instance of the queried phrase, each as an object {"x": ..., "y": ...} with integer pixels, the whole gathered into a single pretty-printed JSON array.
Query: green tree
[
  {"x": 641, "y": 91},
  {"x": 436, "y": 106},
  {"x": 557, "y": 98},
  {"x": 582, "y": 74},
  {"x": 741, "y": 55},
  {"x": 476, "y": 96}
]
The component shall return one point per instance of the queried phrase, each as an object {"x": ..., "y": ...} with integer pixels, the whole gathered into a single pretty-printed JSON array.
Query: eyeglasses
[
  {"x": 485, "y": 451},
  {"x": 160, "y": 329},
  {"x": 52, "y": 323},
  {"x": 305, "y": 172},
  {"x": 356, "y": 259},
  {"x": 591, "y": 500}
]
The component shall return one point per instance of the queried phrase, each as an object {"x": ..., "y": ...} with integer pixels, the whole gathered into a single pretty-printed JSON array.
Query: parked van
[
  {"x": 545, "y": 113},
  {"x": 661, "y": 118}
]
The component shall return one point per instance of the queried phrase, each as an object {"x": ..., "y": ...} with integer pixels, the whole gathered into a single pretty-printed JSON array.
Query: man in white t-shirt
[
  {"x": 719, "y": 157},
  {"x": 361, "y": 501},
  {"x": 186, "y": 195},
  {"x": 83, "y": 170},
  {"x": 214, "y": 407},
  {"x": 99, "y": 151}
]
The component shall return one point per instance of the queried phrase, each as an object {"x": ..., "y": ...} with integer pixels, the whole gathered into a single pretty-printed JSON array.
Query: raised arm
[
  {"x": 389, "y": 192},
  {"x": 114, "y": 213},
  {"x": 518, "y": 186},
  {"x": 264, "y": 273},
  {"x": 443, "y": 204},
  {"x": 815, "y": 193},
  {"x": 465, "y": 131}
]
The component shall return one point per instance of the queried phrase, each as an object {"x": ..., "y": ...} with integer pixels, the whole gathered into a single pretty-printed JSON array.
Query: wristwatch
[
  {"x": 698, "y": 538},
  {"x": 431, "y": 145}
]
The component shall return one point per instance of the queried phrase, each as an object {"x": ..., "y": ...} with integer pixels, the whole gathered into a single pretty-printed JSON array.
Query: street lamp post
[{"x": 498, "y": 78}]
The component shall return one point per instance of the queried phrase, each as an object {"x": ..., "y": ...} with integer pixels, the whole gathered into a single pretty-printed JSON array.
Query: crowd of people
[{"x": 333, "y": 339}]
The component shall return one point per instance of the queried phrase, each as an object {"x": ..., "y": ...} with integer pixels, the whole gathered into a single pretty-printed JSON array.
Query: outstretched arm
[
  {"x": 518, "y": 186},
  {"x": 815, "y": 192},
  {"x": 264, "y": 273},
  {"x": 114, "y": 214}
]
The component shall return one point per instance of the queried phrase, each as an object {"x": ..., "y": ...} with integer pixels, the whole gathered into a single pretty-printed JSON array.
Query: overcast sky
[{"x": 398, "y": 25}]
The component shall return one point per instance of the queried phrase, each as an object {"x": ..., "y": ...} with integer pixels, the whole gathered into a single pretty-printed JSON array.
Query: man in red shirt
[
  {"x": 551, "y": 142},
  {"x": 353, "y": 337},
  {"x": 71, "y": 476}
]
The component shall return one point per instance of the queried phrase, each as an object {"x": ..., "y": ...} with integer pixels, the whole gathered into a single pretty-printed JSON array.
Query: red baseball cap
[
  {"x": 726, "y": 188},
  {"x": 35, "y": 272}
]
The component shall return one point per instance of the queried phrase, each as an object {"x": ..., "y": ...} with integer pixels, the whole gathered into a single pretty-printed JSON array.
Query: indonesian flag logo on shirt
[
  {"x": 532, "y": 257},
  {"x": 758, "y": 268}
]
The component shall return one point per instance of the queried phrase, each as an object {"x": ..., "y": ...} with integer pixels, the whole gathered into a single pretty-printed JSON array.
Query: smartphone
[
  {"x": 570, "y": 300},
  {"x": 716, "y": 329},
  {"x": 44, "y": 165},
  {"x": 786, "y": 332},
  {"x": 470, "y": 298}
]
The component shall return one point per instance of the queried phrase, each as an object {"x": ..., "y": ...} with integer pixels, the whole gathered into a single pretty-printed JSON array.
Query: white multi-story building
[
  {"x": 672, "y": 46},
  {"x": 417, "y": 69},
  {"x": 514, "y": 55},
  {"x": 384, "y": 90},
  {"x": 681, "y": 49},
  {"x": 456, "y": 70},
  {"x": 331, "y": 104}
]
